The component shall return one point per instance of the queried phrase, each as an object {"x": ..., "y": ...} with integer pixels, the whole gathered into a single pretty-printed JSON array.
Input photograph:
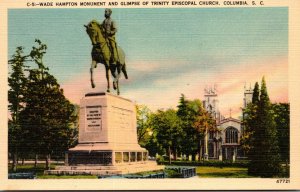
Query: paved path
[{"x": 32, "y": 162}]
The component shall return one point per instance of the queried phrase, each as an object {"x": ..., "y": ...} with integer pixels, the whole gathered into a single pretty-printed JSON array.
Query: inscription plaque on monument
[
  {"x": 122, "y": 118},
  {"x": 93, "y": 118}
]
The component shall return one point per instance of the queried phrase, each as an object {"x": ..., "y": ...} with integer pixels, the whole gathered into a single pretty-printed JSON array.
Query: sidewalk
[{"x": 39, "y": 161}]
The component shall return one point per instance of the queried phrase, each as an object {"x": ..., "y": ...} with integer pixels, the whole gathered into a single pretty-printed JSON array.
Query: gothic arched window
[{"x": 231, "y": 135}]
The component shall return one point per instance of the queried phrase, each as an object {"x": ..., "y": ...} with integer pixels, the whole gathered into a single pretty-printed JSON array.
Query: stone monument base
[
  {"x": 106, "y": 170},
  {"x": 105, "y": 159},
  {"x": 107, "y": 139}
]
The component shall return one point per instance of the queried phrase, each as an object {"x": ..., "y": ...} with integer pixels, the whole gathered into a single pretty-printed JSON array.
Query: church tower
[
  {"x": 211, "y": 102},
  {"x": 248, "y": 93}
]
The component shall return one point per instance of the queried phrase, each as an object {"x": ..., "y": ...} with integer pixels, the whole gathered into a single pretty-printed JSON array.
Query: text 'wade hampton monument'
[{"x": 107, "y": 143}]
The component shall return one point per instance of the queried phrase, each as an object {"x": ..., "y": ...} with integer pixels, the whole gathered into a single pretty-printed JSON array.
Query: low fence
[
  {"x": 152, "y": 176},
  {"x": 21, "y": 176},
  {"x": 169, "y": 172},
  {"x": 212, "y": 163},
  {"x": 182, "y": 172}
]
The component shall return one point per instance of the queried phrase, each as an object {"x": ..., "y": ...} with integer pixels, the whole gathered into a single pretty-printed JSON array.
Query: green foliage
[
  {"x": 18, "y": 84},
  {"x": 143, "y": 129},
  {"x": 255, "y": 97},
  {"x": 165, "y": 125},
  {"x": 146, "y": 135},
  {"x": 173, "y": 174},
  {"x": 43, "y": 120},
  {"x": 264, "y": 155},
  {"x": 203, "y": 124},
  {"x": 178, "y": 132},
  {"x": 49, "y": 117},
  {"x": 250, "y": 121},
  {"x": 226, "y": 172},
  {"x": 282, "y": 120},
  {"x": 153, "y": 146},
  {"x": 190, "y": 114},
  {"x": 210, "y": 163}
]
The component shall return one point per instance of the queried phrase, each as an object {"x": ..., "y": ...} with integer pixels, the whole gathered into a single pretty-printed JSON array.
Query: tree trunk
[
  {"x": 23, "y": 160},
  {"x": 175, "y": 153},
  {"x": 187, "y": 157},
  {"x": 206, "y": 144},
  {"x": 199, "y": 150},
  {"x": 193, "y": 157},
  {"x": 48, "y": 163},
  {"x": 14, "y": 164},
  {"x": 169, "y": 150},
  {"x": 35, "y": 160}
]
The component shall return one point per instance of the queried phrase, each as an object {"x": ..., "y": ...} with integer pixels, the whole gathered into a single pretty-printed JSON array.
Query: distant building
[
  {"x": 211, "y": 103},
  {"x": 223, "y": 144}
]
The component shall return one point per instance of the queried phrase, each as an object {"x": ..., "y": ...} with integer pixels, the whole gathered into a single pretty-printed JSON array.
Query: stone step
[
  {"x": 105, "y": 170},
  {"x": 85, "y": 167},
  {"x": 83, "y": 172}
]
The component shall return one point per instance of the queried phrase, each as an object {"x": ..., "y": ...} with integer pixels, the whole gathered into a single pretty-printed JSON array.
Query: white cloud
[{"x": 164, "y": 91}]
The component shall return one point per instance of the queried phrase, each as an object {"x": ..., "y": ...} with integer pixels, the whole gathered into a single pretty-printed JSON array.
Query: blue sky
[{"x": 168, "y": 51}]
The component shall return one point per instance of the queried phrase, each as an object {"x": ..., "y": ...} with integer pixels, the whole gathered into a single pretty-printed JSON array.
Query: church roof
[{"x": 230, "y": 119}]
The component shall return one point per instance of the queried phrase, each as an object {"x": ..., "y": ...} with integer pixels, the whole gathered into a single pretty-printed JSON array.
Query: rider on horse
[
  {"x": 105, "y": 50},
  {"x": 110, "y": 28}
]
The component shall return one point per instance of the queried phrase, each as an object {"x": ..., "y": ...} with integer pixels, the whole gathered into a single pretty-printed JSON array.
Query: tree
[
  {"x": 17, "y": 82},
  {"x": 250, "y": 121},
  {"x": 49, "y": 118},
  {"x": 187, "y": 111},
  {"x": 282, "y": 120},
  {"x": 166, "y": 125},
  {"x": 153, "y": 146},
  {"x": 143, "y": 130},
  {"x": 265, "y": 157},
  {"x": 203, "y": 124}
]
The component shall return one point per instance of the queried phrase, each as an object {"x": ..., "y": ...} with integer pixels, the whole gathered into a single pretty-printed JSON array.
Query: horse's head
[{"x": 93, "y": 29}]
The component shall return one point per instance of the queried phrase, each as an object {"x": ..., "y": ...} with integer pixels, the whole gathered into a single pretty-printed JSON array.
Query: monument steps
[
  {"x": 106, "y": 170},
  {"x": 86, "y": 167},
  {"x": 83, "y": 172}
]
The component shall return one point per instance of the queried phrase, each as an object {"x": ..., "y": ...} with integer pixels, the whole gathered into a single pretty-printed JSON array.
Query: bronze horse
[{"x": 101, "y": 53}]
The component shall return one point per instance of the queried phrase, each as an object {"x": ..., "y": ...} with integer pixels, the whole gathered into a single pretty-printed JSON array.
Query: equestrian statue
[{"x": 106, "y": 51}]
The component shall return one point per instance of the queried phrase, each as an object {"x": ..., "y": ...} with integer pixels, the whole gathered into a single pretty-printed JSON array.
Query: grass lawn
[{"x": 225, "y": 172}]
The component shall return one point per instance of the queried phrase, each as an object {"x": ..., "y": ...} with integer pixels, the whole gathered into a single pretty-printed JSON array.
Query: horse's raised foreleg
[{"x": 94, "y": 64}]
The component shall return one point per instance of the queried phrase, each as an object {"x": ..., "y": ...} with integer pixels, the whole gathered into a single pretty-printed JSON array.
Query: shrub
[{"x": 212, "y": 163}]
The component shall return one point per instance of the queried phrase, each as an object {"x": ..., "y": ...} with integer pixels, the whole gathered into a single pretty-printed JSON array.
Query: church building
[{"x": 223, "y": 144}]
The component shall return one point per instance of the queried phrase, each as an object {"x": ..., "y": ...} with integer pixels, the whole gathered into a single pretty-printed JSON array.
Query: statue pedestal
[{"x": 107, "y": 141}]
